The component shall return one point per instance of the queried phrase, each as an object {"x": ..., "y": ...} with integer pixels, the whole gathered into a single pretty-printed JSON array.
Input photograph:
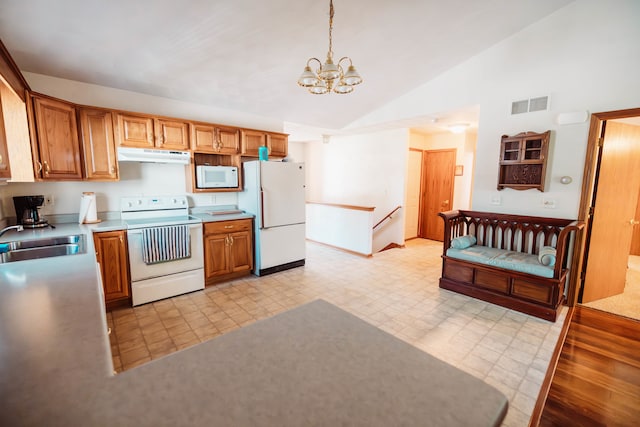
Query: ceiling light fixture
[
  {"x": 323, "y": 80},
  {"x": 458, "y": 127}
]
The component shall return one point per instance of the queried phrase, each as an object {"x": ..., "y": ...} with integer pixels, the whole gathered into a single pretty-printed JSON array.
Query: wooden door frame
[
  {"x": 420, "y": 205},
  {"x": 423, "y": 186},
  {"x": 588, "y": 190}
]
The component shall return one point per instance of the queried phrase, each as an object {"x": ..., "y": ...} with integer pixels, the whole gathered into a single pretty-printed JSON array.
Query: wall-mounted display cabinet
[{"x": 523, "y": 161}]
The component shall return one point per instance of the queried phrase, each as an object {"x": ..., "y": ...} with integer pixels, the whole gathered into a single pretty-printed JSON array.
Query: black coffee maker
[{"x": 27, "y": 211}]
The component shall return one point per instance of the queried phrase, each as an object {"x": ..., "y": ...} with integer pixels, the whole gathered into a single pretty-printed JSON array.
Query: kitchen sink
[{"x": 22, "y": 250}]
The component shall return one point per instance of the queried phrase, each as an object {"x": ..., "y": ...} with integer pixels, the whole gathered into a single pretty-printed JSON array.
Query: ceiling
[{"x": 246, "y": 55}]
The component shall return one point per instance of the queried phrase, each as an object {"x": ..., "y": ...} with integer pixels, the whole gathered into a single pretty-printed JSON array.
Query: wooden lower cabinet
[
  {"x": 112, "y": 255},
  {"x": 228, "y": 250}
]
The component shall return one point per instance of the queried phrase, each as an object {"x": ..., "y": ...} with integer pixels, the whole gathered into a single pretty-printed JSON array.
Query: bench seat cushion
[{"x": 509, "y": 260}]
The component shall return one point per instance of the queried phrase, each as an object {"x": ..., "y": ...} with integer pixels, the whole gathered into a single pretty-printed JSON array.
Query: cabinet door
[
  {"x": 252, "y": 140},
  {"x": 5, "y": 169},
  {"x": 57, "y": 135},
  {"x": 228, "y": 140},
  {"x": 96, "y": 130},
  {"x": 216, "y": 257},
  {"x": 135, "y": 131},
  {"x": 240, "y": 251},
  {"x": 172, "y": 134},
  {"x": 203, "y": 138},
  {"x": 511, "y": 150},
  {"x": 111, "y": 252},
  {"x": 278, "y": 145}
]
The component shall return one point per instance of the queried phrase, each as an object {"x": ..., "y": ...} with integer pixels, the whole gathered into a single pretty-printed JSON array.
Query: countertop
[{"x": 56, "y": 369}]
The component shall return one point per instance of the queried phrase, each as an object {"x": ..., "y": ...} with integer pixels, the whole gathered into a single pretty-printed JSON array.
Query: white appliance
[
  {"x": 275, "y": 193},
  {"x": 152, "y": 155},
  {"x": 170, "y": 273},
  {"x": 216, "y": 176}
]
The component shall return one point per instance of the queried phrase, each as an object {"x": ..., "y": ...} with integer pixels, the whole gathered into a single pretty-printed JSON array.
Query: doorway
[
  {"x": 438, "y": 170},
  {"x": 610, "y": 278}
]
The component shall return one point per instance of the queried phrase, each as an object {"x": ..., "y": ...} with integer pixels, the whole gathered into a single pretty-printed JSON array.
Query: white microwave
[{"x": 216, "y": 176}]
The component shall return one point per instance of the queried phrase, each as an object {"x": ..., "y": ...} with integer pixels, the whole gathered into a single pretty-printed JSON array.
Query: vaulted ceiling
[{"x": 246, "y": 55}]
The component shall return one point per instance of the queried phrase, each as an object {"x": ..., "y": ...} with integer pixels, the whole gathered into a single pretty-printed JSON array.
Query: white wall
[
  {"x": 585, "y": 56},
  {"x": 365, "y": 170}
]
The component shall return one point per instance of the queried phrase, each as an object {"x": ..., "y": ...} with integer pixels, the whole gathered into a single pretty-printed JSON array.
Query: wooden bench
[{"x": 525, "y": 292}]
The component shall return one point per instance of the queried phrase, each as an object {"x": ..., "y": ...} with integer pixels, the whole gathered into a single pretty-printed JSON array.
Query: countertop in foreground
[{"x": 313, "y": 366}]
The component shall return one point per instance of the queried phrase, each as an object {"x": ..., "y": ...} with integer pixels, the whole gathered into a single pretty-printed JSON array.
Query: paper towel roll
[{"x": 88, "y": 211}]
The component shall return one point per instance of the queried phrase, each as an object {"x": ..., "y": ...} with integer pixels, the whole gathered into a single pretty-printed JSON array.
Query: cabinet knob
[
  {"x": 46, "y": 168},
  {"x": 0, "y": 158},
  {"x": 230, "y": 241},
  {"x": 113, "y": 169}
]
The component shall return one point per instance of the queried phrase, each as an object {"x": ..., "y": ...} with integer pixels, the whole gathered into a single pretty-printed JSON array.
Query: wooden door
[
  {"x": 57, "y": 135},
  {"x": 5, "y": 169},
  {"x": 111, "y": 253},
  {"x": 277, "y": 144},
  {"x": 240, "y": 251},
  {"x": 438, "y": 170},
  {"x": 635, "y": 239},
  {"x": 171, "y": 134},
  {"x": 613, "y": 215},
  {"x": 412, "y": 197},
  {"x": 96, "y": 131},
  {"x": 135, "y": 131},
  {"x": 250, "y": 141}
]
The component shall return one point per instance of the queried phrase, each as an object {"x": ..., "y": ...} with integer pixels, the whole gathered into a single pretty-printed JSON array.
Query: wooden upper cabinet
[
  {"x": 523, "y": 161},
  {"x": 96, "y": 132},
  {"x": 278, "y": 144},
  {"x": 57, "y": 139},
  {"x": 148, "y": 132},
  {"x": 5, "y": 168},
  {"x": 206, "y": 138},
  {"x": 135, "y": 131},
  {"x": 171, "y": 134},
  {"x": 251, "y": 140}
]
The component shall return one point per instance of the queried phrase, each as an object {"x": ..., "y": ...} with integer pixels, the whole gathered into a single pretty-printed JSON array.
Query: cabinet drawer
[
  {"x": 458, "y": 271},
  {"x": 533, "y": 291},
  {"x": 493, "y": 281},
  {"x": 227, "y": 226}
]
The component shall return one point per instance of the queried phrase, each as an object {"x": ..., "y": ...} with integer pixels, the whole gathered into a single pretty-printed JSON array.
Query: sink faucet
[{"x": 17, "y": 227}]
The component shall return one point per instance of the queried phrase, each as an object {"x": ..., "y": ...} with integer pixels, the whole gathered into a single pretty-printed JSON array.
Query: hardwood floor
[{"x": 597, "y": 379}]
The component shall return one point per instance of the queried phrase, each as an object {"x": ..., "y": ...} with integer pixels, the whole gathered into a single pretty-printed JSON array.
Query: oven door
[{"x": 142, "y": 271}]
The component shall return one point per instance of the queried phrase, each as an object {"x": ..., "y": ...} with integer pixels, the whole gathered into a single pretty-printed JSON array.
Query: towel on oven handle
[{"x": 169, "y": 243}]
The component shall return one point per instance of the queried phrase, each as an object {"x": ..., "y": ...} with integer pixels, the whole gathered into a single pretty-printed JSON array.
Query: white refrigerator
[{"x": 275, "y": 193}]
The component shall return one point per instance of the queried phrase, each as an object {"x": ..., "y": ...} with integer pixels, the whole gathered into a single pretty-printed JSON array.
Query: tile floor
[{"x": 395, "y": 290}]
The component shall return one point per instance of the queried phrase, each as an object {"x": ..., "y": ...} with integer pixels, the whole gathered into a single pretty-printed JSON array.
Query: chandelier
[{"x": 329, "y": 76}]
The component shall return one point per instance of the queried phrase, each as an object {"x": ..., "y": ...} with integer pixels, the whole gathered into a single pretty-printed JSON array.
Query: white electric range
[{"x": 166, "y": 255}]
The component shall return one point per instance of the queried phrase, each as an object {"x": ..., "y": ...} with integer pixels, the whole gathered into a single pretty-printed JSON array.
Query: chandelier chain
[{"x": 331, "y": 28}]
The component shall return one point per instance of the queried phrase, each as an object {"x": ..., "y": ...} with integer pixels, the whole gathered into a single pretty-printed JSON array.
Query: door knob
[
  {"x": 633, "y": 222},
  {"x": 445, "y": 203}
]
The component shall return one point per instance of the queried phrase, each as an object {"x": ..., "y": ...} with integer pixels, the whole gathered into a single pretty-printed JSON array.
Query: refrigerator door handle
[{"x": 261, "y": 207}]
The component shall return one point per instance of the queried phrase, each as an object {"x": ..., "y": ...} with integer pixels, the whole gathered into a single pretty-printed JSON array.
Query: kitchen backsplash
[{"x": 136, "y": 179}]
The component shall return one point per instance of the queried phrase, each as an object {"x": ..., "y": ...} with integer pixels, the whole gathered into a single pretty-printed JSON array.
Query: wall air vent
[{"x": 540, "y": 103}]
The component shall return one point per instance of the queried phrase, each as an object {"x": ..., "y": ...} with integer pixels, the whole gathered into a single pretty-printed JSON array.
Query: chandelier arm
[
  {"x": 343, "y": 58},
  {"x": 314, "y": 59}
]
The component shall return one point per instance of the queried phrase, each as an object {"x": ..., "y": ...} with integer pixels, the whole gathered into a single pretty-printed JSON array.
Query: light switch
[{"x": 496, "y": 199}]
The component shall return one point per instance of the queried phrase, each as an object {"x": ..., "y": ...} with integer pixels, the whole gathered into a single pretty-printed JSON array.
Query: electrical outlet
[
  {"x": 549, "y": 203},
  {"x": 48, "y": 200}
]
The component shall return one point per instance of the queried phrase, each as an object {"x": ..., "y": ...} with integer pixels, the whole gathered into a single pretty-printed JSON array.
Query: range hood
[{"x": 151, "y": 155}]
